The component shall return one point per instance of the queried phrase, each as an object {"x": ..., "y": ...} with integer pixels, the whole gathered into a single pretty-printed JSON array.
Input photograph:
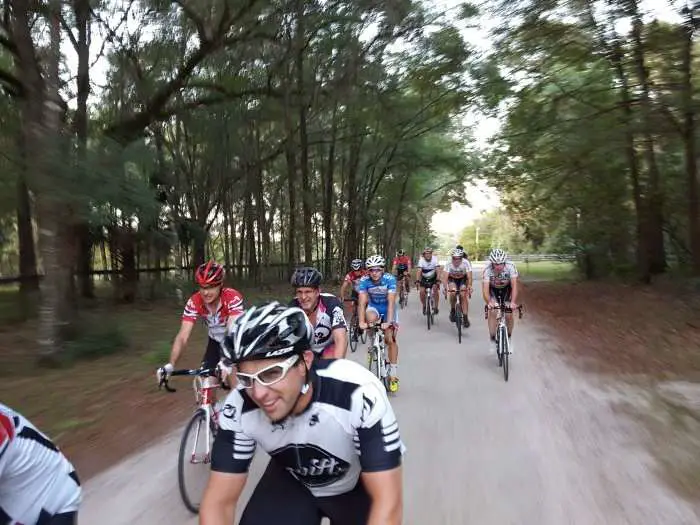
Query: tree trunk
[
  {"x": 688, "y": 30},
  {"x": 27, "y": 254},
  {"x": 328, "y": 198},
  {"x": 655, "y": 220},
  {"x": 81, "y": 9}
]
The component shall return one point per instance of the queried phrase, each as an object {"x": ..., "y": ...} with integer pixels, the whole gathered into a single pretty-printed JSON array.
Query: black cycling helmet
[
  {"x": 357, "y": 264},
  {"x": 266, "y": 331},
  {"x": 400, "y": 252},
  {"x": 306, "y": 277}
]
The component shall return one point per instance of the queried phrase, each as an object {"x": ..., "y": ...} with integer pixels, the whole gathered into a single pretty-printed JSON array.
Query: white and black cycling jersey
[
  {"x": 428, "y": 269},
  {"x": 329, "y": 316},
  {"x": 348, "y": 428},
  {"x": 36, "y": 480}
]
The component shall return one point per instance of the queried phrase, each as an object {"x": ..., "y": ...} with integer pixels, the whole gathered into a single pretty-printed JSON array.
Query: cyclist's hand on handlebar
[
  {"x": 492, "y": 303},
  {"x": 363, "y": 326},
  {"x": 385, "y": 326},
  {"x": 164, "y": 370},
  {"x": 512, "y": 306}
]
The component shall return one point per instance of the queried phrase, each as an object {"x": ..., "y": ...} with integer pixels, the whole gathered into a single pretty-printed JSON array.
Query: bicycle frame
[
  {"x": 378, "y": 353},
  {"x": 204, "y": 399}
]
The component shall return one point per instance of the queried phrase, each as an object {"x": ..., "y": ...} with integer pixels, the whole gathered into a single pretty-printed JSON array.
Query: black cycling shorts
[
  {"x": 212, "y": 354},
  {"x": 501, "y": 294},
  {"x": 66, "y": 518},
  {"x": 426, "y": 283},
  {"x": 461, "y": 282},
  {"x": 279, "y": 498}
]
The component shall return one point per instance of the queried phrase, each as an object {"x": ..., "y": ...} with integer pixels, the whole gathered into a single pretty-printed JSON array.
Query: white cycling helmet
[
  {"x": 457, "y": 252},
  {"x": 375, "y": 261},
  {"x": 498, "y": 256}
]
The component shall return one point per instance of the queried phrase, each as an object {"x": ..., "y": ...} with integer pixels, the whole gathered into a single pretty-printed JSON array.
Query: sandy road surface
[{"x": 545, "y": 448}]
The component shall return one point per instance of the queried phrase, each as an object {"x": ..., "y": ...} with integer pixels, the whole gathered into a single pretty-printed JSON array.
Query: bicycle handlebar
[
  {"x": 502, "y": 307},
  {"x": 163, "y": 383}
]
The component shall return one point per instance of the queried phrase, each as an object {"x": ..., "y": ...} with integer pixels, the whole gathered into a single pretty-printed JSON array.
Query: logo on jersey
[
  {"x": 367, "y": 406},
  {"x": 313, "y": 466},
  {"x": 229, "y": 411},
  {"x": 313, "y": 420}
]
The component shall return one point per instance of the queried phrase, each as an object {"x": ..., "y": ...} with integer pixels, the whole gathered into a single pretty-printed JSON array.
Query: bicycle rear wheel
[{"x": 193, "y": 460}]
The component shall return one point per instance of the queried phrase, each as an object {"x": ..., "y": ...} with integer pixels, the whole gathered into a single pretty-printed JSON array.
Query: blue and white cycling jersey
[{"x": 378, "y": 292}]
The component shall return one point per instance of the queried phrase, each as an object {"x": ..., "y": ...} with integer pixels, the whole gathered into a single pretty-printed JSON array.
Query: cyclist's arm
[
  {"x": 220, "y": 498},
  {"x": 362, "y": 305},
  {"x": 391, "y": 296},
  {"x": 344, "y": 287},
  {"x": 180, "y": 341},
  {"x": 515, "y": 289},
  {"x": 381, "y": 451},
  {"x": 385, "y": 489},
  {"x": 340, "y": 342},
  {"x": 231, "y": 455},
  {"x": 485, "y": 291}
]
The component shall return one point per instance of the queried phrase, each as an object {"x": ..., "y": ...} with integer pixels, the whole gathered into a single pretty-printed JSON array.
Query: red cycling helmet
[{"x": 209, "y": 274}]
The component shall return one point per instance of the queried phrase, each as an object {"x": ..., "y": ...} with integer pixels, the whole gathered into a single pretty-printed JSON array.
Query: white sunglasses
[{"x": 268, "y": 376}]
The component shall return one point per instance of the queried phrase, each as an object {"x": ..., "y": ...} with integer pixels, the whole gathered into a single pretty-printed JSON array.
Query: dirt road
[{"x": 546, "y": 448}]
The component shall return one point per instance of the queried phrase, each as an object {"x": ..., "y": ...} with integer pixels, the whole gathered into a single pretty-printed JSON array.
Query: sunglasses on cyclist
[{"x": 269, "y": 375}]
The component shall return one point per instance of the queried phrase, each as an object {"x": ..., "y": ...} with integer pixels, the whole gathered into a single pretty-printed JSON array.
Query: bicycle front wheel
[
  {"x": 458, "y": 320},
  {"x": 503, "y": 344},
  {"x": 193, "y": 460}
]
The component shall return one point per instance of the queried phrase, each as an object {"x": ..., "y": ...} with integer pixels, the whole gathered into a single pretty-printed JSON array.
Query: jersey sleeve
[
  {"x": 234, "y": 302},
  {"x": 191, "y": 312},
  {"x": 364, "y": 284},
  {"x": 233, "y": 450},
  {"x": 391, "y": 284},
  {"x": 514, "y": 271},
  {"x": 378, "y": 441},
  {"x": 348, "y": 277},
  {"x": 7, "y": 434},
  {"x": 488, "y": 273},
  {"x": 335, "y": 309},
  {"x": 468, "y": 264}
]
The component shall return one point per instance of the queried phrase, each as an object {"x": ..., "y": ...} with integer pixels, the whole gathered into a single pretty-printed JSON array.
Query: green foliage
[{"x": 95, "y": 341}]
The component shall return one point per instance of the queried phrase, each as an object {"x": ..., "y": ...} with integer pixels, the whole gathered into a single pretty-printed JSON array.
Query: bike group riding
[{"x": 326, "y": 421}]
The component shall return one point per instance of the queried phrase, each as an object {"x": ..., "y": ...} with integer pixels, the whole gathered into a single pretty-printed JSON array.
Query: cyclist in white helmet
[
  {"x": 457, "y": 277},
  {"x": 500, "y": 282},
  {"x": 327, "y": 424}
]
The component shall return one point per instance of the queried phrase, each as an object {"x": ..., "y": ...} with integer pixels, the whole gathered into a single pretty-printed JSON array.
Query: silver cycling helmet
[{"x": 498, "y": 256}]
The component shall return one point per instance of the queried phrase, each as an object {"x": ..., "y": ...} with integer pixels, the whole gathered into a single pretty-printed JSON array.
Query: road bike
[
  {"x": 203, "y": 424},
  {"x": 403, "y": 292},
  {"x": 502, "y": 339},
  {"x": 377, "y": 357},
  {"x": 459, "y": 314},
  {"x": 354, "y": 332},
  {"x": 429, "y": 308}
]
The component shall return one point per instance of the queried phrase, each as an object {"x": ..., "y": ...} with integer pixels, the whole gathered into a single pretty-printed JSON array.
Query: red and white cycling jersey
[
  {"x": 230, "y": 305},
  {"x": 404, "y": 262},
  {"x": 354, "y": 277},
  {"x": 36, "y": 480}
]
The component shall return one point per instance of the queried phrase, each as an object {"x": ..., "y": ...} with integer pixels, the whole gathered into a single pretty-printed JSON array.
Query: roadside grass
[
  {"x": 547, "y": 271},
  {"x": 103, "y": 403}
]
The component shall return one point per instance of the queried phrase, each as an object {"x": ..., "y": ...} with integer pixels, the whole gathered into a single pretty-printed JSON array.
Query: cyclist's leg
[
  {"x": 464, "y": 301},
  {"x": 436, "y": 295},
  {"x": 210, "y": 359},
  {"x": 351, "y": 508},
  {"x": 510, "y": 320},
  {"x": 293, "y": 503},
  {"x": 452, "y": 287},
  {"x": 371, "y": 316},
  {"x": 422, "y": 284},
  {"x": 494, "y": 293}
]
